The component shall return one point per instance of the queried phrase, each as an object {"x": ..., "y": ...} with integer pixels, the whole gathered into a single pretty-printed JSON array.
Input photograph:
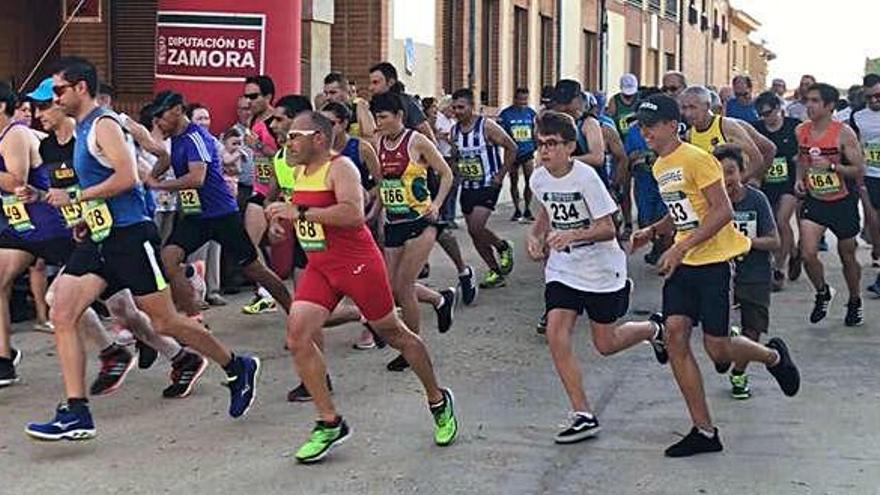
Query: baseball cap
[
  {"x": 165, "y": 100},
  {"x": 566, "y": 90},
  {"x": 658, "y": 108},
  {"x": 629, "y": 84},
  {"x": 43, "y": 92}
]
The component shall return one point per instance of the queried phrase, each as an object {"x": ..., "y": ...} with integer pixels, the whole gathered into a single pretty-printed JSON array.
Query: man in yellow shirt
[{"x": 697, "y": 269}]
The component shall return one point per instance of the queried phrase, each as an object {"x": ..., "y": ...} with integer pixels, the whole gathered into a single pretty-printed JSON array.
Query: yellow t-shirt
[{"x": 681, "y": 176}]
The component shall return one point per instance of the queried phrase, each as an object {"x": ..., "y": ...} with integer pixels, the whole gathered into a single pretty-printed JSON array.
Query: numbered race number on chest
[
  {"x": 394, "y": 196},
  {"x": 681, "y": 210},
  {"x": 872, "y": 154},
  {"x": 263, "y": 170},
  {"x": 823, "y": 182},
  {"x": 16, "y": 214},
  {"x": 471, "y": 168},
  {"x": 778, "y": 171},
  {"x": 567, "y": 211},
  {"x": 747, "y": 223},
  {"x": 521, "y": 133},
  {"x": 190, "y": 202},
  {"x": 98, "y": 219},
  {"x": 311, "y": 235}
]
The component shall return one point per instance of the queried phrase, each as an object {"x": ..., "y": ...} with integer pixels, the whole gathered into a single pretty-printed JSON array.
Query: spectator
[
  {"x": 336, "y": 89},
  {"x": 742, "y": 106}
]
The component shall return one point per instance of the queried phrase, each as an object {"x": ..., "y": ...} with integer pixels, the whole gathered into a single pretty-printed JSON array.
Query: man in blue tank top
[
  {"x": 519, "y": 122},
  {"x": 116, "y": 250},
  {"x": 210, "y": 212}
]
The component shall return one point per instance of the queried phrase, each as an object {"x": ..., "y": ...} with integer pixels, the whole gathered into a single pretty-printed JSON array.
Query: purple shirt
[{"x": 197, "y": 145}]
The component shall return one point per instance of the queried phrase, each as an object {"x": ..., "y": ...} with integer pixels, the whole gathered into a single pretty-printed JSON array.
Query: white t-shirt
[
  {"x": 574, "y": 201},
  {"x": 867, "y": 122},
  {"x": 444, "y": 125}
]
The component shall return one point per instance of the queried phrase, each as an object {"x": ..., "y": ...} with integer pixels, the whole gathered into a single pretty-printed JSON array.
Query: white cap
[{"x": 629, "y": 84}]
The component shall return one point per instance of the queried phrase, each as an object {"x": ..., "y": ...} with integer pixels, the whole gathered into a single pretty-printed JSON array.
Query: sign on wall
[{"x": 209, "y": 46}]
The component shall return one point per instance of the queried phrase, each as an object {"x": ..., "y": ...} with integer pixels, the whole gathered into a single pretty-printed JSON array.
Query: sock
[
  {"x": 777, "y": 360},
  {"x": 707, "y": 433},
  {"x": 437, "y": 405},
  {"x": 585, "y": 414},
  {"x": 77, "y": 402},
  {"x": 656, "y": 330},
  {"x": 737, "y": 372},
  {"x": 177, "y": 357},
  {"x": 264, "y": 293},
  {"x": 333, "y": 423},
  {"x": 231, "y": 367},
  {"x": 440, "y": 305},
  {"x": 464, "y": 273}
]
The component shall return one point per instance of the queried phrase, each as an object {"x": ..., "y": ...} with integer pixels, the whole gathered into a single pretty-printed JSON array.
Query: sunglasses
[
  {"x": 766, "y": 113},
  {"x": 670, "y": 89},
  {"x": 59, "y": 90},
  {"x": 295, "y": 134},
  {"x": 252, "y": 96},
  {"x": 548, "y": 143}
]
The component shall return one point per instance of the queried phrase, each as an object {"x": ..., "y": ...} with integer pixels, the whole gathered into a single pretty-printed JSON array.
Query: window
[
  {"x": 735, "y": 51},
  {"x": 637, "y": 3},
  {"x": 654, "y": 6},
  {"x": 693, "y": 15},
  {"x": 548, "y": 56},
  {"x": 716, "y": 29},
  {"x": 591, "y": 60},
  {"x": 704, "y": 18},
  {"x": 133, "y": 57},
  {"x": 724, "y": 36},
  {"x": 651, "y": 68},
  {"x": 453, "y": 41},
  {"x": 520, "y": 47},
  {"x": 634, "y": 59},
  {"x": 489, "y": 67},
  {"x": 670, "y": 61},
  {"x": 672, "y": 9}
]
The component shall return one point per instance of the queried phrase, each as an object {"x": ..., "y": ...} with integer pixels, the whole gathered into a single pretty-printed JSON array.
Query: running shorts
[
  {"x": 602, "y": 308},
  {"x": 702, "y": 293},
  {"x": 191, "y": 232}
]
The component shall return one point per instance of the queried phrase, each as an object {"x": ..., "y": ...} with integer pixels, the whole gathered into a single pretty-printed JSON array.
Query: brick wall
[
  {"x": 90, "y": 40},
  {"x": 358, "y": 38}
]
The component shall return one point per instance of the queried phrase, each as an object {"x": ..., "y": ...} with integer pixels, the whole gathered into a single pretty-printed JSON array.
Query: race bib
[
  {"x": 16, "y": 214},
  {"x": 747, "y": 223},
  {"x": 823, "y": 182},
  {"x": 311, "y": 235},
  {"x": 471, "y": 168},
  {"x": 682, "y": 211},
  {"x": 778, "y": 171},
  {"x": 262, "y": 169},
  {"x": 567, "y": 211},
  {"x": 521, "y": 133},
  {"x": 190, "y": 202},
  {"x": 98, "y": 219},
  {"x": 394, "y": 196},
  {"x": 872, "y": 154},
  {"x": 623, "y": 123}
]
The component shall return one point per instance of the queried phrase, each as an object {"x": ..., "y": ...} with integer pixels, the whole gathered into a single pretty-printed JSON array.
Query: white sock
[
  {"x": 707, "y": 433},
  {"x": 264, "y": 293}
]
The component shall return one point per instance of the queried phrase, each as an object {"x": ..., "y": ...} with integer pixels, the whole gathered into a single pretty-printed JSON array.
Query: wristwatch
[{"x": 302, "y": 213}]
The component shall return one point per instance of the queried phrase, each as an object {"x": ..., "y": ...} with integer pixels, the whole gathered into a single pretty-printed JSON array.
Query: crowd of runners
[{"x": 140, "y": 216}]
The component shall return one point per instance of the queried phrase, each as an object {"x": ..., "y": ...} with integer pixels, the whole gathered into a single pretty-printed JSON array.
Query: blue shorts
[{"x": 650, "y": 205}]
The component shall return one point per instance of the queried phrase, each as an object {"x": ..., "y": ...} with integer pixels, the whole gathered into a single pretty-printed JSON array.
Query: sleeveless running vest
[
  {"x": 284, "y": 174},
  {"x": 478, "y": 159},
  {"x": 710, "y": 138},
  {"x": 823, "y": 184},
  {"x": 621, "y": 114},
  {"x": 404, "y": 186}
]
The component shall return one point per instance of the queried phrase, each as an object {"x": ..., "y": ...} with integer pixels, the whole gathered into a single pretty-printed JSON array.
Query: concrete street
[{"x": 510, "y": 403}]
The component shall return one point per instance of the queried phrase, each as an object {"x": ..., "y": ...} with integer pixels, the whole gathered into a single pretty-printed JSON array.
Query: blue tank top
[
  {"x": 45, "y": 221},
  {"x": 352, "y": 151},
  {"x": 92, "y": 168}
]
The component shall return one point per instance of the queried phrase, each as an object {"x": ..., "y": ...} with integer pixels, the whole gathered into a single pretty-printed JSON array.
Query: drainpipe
[
  {"x": 558, "y": 39},
  {"x": 681, "y": 23},
  {"x": 603, "y": 44},
  {"x": 472, "y": 44}
]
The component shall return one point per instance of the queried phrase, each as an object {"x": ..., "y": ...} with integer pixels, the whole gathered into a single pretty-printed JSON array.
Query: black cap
[
  {"x": 166, "y": 100},
  {"x": 566, "y": 90},
  {"x": 658, "y": 108}
]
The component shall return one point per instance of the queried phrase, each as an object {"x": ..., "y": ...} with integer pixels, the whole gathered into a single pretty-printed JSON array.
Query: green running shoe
[
  {"x": 445, "y": 423},
  {"x": 323, "y": 438},
  {"x": 505, "y": 259},
  {"x": 740, "y": 386},
  {"x": 259, "y": 306},
  {"x": 492, "y": 279}
]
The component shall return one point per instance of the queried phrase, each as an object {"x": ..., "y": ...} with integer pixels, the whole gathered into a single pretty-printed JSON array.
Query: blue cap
[{"x": 43, "y": 91}]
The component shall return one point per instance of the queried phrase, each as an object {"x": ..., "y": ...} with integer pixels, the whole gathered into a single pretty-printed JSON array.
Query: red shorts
[{"x": 365, "y": 282}]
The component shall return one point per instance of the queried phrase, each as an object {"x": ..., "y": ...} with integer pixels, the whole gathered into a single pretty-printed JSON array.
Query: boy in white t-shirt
[{"x": 586, "y": 267}]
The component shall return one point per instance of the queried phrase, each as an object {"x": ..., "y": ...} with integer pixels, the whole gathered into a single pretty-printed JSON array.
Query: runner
[
  {"x": 117, "y": 252},
  {"x": 741, "y": 106},
  {"x": 585, "y": 269},
  {"x": 411, "y": 213},
  {"x": 797, "y": 109},
  {"x": 697, "y": 271},
  {"x": 622, "y": 106},
  {"x": 674, "y": 83},
  {"x": 336, "y": 89},
  {"x": 518, "y": 120},
  {"x": 866, "y": 123},
  {"x": 753, "y": 217},
  {"x": 477, "y": 140},
  {"x": 830, "y": 163},
  {"x": 209, "y": 211},
  {"x": 343, "y": 261},
  {"x": 569, "y": 98},
  {"x": 778, "y": 183}
]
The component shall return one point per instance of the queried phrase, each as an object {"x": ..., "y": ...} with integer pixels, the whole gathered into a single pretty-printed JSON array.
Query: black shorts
[
  {"x": 776, "y": 191},
  {"x": 485, "y": 197},
  {"x": 872, "y": 184},
  {"x": 754, "y": 305},
  {"x": 523, "y": 159},
  {"x": 257, "y": 199},
  {"x": 396, "y": 234},
  {"x": 702, "y": 293},
  {"x": 54, "y": 251},
  {"x": 191, "y": 232},
  {"x": 841, "y": 216},
  {"x": 127, "y": 259},
  {"x": 601, "y": 307}
]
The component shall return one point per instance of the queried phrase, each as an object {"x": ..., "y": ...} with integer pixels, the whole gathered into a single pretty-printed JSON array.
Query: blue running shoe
[
  {"x": 242, "y": 383},
  {"x": 68, "y": 424}
]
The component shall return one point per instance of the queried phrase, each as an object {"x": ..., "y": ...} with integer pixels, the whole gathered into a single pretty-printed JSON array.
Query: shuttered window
[{"x": 132, "y": 45}]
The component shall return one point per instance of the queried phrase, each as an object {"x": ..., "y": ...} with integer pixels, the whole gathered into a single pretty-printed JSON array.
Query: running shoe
[
  {"x": 823, "y": 245},
  {"x": 695, "y": 443},
  {"x": 581, "y": 426},
  {"x": 260, "y": 305},
  {"x": 785, "y": 372},
  {"x": 541, "y": 327},
  {"x": 505, "y": 258},
  {"x": 195, "y": 274},
  {"x": 446, "y": 311},
  {"x": 493, "y": 280},
  {"x": 445, "y": 422},
  {"x": 116, "y": 362},
  {"x": 658, "y": 343},
  {"x": 527, "y": 217},
  {"x": 146, "y": 355},
  {"x": 301, "y": 394},
  {"x": 778, "y": 280},
  {"x": 44, "y": 327},
  {"x": 820, "y": 306},
  {"x": 7, "y": 368},
  {"x": 241, "y": 378},
  {"x": 215, "y": 300},
  {"x": 425, "y": 272},
  {"x": 467, "y": 286},
  {"x": 739, "y": 385},
  {"x": 69, "y": 423},
  {"x": 365, "y": 341},
  {"x": 397, "y": 364},
  {"x": 795, "y": 266},
  {"x": 875, "y": 261},
  {"x": 875, "y": 287},
  {"x": 185, "y": 374},
  {"x": 323, "y": 438},
  {"x": 517, "y": 216},
  {"x": 854, "y": 315}
]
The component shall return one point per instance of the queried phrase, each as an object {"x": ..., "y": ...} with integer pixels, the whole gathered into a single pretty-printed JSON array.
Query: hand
[
  {"x": 58, "y": 197},
  {"x": 277, "y": 231},
  {"x": 250, "y": 138},
  {"x": 152, "y": 182},
  {"x": 640, "y": 238},
  {"x": 433, "y": 212},
  {"x": 27, "y": 194},
  {"x": 536, "y": 248},
  {"x": 559, "y": 239},
  {"x": 670, "y": 260},
  {"x": 800, "y": 189},
  {"x": 282, "y": 211}
]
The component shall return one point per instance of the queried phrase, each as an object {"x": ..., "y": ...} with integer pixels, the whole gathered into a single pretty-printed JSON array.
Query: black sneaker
[
  {"x": 517, "y": 216},
  {"x": 541, "y": 327},
  {"x": 854, "y": 315},
  {"x": 785, "y": 372},
  {"x": 820, "y": 306},
  {"x": 185, "y": 373},
  {"x": 722, "y": 368},
  {"x": 380, "y": 342},
  {"x": 446, "y": 311},
  {"x": 778, "y": 280},
  {"x": 7, "y": 369},
  {"x": 695, "y": 443},
  {"x": 795, "y": 266},
  {"x": 527, "y": 217},
  {"x": 425, "y": 272},
  {"x": 301, "y": 394},
  {"x": 397, "y": 364},
  {"x": 116, "y": 362},
  {"x": 658, "y": 343},
  {"x": 468, "y": 287},
  {"x": 146, "y": 355},
  {"x": 581, "y": 427}
]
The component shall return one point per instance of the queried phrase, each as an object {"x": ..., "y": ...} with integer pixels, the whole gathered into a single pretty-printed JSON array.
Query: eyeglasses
[
  {"x": 252, "y": 96},
  {"x": 548, "y": 143},
  {"x": 295, "y": 134},
  {"x": 766, "y": 113},
  {"x": 59, "y": 90}
]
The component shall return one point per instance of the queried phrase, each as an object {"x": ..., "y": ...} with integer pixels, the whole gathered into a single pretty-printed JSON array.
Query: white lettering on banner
[
  {"x": 211, "y": 43},
  {"x": 214, "y": 58}
]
